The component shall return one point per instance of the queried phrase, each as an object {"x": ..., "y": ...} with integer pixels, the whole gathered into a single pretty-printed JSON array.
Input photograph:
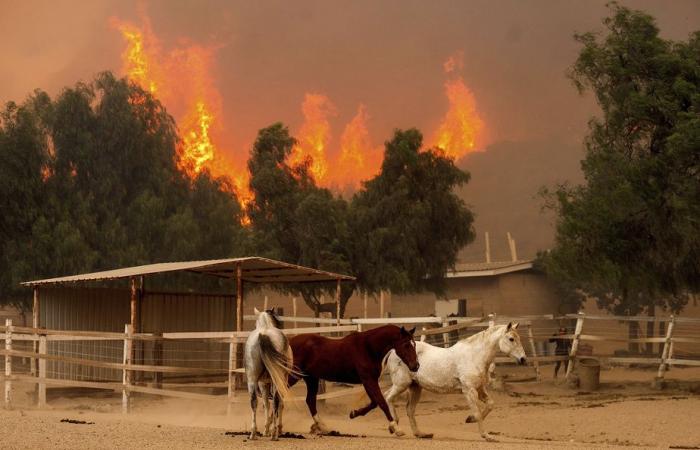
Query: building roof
[
  {"x": 486, "y": 269},
  {"x": 253, "y": 269}
]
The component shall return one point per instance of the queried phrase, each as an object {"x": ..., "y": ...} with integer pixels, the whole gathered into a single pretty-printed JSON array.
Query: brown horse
[{"x": 356, "y": 358}]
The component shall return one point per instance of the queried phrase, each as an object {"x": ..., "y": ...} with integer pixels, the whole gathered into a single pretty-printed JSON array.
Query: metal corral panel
[
  {"x": 102, "y": 309},
  {"x": 88, "y": 309},
  {"x": 166, "y": 312}
]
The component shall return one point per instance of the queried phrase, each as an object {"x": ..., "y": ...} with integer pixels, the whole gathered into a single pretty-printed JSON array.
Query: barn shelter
[
  {"x": 82, "y": 302},
  {"x": 244, "y": 270}
]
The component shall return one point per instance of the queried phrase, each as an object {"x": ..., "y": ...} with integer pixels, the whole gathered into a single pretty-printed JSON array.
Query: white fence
[{"x": 141, "y": 357}]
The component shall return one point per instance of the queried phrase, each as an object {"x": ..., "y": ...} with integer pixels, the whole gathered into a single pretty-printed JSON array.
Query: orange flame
[
  {"x": 314, "y": 135},
  {"x": 358, "y": 160},
  {"x": 182, "y": 79},
  {"x": 461, "y": 130}
]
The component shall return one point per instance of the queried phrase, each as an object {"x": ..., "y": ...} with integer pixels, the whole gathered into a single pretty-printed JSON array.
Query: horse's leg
[
  {"x": 265, "y": 395},
  {"x": 253, "y": 407},
  {"x": 414, "y": 392},
  {"x": 280, "y": 408},
  {"x": 488, "y": 402},
  {"x": 311, "y": 393},
  {"x": 276, "y": 405},
  {"x": 377, "y": 399},
  {"x": 477, "y": 406}
]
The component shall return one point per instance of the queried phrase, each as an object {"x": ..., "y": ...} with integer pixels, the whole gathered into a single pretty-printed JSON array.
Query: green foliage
[
  {"x": 89, "y": 182},
  {"x": 379, "y": 236},
  {"x": 629, "y": 236},
  {"x": 408, "y": 223}
]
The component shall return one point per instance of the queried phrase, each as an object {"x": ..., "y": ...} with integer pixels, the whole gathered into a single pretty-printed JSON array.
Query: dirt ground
[{"x": 625, "y": 412}]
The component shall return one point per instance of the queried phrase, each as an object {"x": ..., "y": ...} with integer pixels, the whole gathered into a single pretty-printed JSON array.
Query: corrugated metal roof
[
  {"x": 481, "y": 269},
  {"x": 254, "y": 269}
]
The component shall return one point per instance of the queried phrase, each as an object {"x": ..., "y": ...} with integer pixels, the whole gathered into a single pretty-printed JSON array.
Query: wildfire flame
[
  {"x": 461, "y": 129},
  {"x": 358, "y": 160},
  {"x": 314, "y": 135},
  {"x": 182, "y": 80}
]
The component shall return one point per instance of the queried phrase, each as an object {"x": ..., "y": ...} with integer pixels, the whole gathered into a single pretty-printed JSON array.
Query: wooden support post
[
  {"x": 381, "y": 304},
  {"x": 239, "y": 298},
  {"x": 8, "y": 364},
  {"x": 126, "y": 374},
  {"x": 666, "y": 352},
  {"x": 35, "y": 324},
  {"x": 492, "y": 320},
  {"x": 364, "y": 308},
  {"x": 239, "y": 320},
  {"x": 337, "y": 302},
  {"x": 294, "y": 310},
  {"x": 535, "y": 363},
  {"x": 488, "y": 247},
  {"x": 43, "y": 349},
  {"x": 574, "y": 344},
  {"x": 445, "y": 336},
  {"x": 423, "y": 337},
  {"x": 265, "y": 303},
  {"x": 158, "y": 360},
  {"x": 231, "y": 374}
]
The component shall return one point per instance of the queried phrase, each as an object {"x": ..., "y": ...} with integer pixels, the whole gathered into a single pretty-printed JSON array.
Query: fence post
[
  {"x": 536, "y": 363},
  {"x": 41, "y": 399},
  {"x": 158, "y": 360},
  {"x": 294, "y": 309},
  {"x": 666, "y": 353},
  {"x": 8, "y": 363},
  {"x": 126, "y": 374},
  {"x": 424, "y": 337},
  {"x": 445, "y": 336},
  {"x": 231, "y": 374},
  {"x": 574, "y": 344}
]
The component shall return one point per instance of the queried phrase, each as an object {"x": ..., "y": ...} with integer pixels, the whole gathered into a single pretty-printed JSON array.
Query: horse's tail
[
  {"x": 278, "y": 365},
  {"x": 384, "y": 361}
]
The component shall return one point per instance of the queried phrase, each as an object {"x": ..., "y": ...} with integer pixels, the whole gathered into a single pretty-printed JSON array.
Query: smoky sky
[{"x": 387, "y": 55}]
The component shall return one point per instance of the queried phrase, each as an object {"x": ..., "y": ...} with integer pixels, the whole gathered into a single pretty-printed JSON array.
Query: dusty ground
[{"x": 624, "y": 412}]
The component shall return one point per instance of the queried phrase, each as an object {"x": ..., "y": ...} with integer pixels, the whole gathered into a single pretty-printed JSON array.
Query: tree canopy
[
  {"x": 378, "y": 235},
  {"x": 630, "y": 236},
  {"x": 89, "y": 181}
]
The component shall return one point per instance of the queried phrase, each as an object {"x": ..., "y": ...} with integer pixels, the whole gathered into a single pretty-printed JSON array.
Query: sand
[{"x": 625, "y": 412}]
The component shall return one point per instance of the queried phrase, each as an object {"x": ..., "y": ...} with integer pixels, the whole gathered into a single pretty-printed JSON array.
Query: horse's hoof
[
  {"x": 399, "y": 433},
  {"x": 424, "y": 435},
  {"x": 488, "y": 438},
  {"x": 253, "y": 436},
  {"x": 470, "y": 419},
  {"x": 353, "y": 414}
]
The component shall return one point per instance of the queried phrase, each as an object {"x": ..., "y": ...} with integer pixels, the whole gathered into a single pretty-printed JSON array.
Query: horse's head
[
  {"x": 510, "y": 343},
  {"x": 266, "y": 318},
  {"x": 405, "y": 348}
]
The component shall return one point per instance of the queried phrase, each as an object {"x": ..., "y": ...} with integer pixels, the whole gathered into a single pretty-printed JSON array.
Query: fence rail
[{"x": 439, "y": 330}]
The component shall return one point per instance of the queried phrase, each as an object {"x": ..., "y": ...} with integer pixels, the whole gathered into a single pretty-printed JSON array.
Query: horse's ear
[
  {"x": 403, "y": 330},
  {"x": 255, "y": 311},
  {"x": 510, "y": 325},
  {"x": 412, "y": 331},
  {"x": 515, "y": 325}
]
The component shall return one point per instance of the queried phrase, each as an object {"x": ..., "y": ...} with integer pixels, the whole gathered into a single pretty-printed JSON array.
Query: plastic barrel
[{"x": 589, "y": 374}]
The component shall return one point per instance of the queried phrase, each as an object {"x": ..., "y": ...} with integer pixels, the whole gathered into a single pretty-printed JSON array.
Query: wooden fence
[{"x": 138, "y": 375}]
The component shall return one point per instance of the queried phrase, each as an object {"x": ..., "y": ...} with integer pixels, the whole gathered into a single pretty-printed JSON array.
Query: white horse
[
  {"x": 461, "y": 368},
  {"x": 268, "y": 362}
]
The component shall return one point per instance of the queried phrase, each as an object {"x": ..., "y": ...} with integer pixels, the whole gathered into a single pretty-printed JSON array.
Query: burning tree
[{"x": 379, "y": 236}]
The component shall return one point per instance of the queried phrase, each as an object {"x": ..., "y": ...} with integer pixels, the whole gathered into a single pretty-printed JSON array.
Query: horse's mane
[
  {"x": 481, "y": 335},
  {"x": 276, "y": 322}
]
